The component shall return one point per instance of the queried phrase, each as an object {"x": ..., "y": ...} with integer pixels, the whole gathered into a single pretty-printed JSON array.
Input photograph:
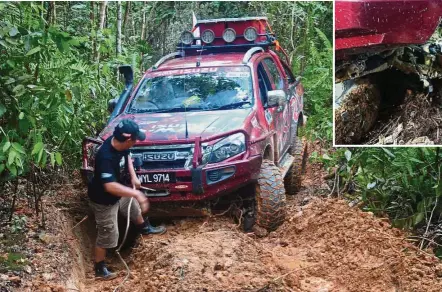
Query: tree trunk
[
  {"x": 102, "y": 14},
  {"x": 126, "y": 16},
  {"x": 118, "y": 28},
  {"x": 106, "y": 17},
  {"x": 143, "y": 23},
  {"x": 92, "y": 37},
  {"x": 101, "y": 27},
  {"x": 54, "y": 13},
  {"x": 50, "y": 14}
]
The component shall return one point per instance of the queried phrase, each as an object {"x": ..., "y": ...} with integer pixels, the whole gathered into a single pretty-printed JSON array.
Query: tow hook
[{"x": 147, "y": 189}]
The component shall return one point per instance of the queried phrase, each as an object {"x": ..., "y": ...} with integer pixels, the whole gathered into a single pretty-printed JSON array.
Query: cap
[{"x": 128, "y": 129}]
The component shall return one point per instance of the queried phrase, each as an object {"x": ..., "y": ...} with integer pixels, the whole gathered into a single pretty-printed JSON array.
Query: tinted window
[
  {"x": 264, "y": 84},
  {"x": 276, "y": 76}
]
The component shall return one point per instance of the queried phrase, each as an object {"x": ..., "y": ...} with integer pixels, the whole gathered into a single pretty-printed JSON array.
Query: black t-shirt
[{"x": 107, "y": 169}]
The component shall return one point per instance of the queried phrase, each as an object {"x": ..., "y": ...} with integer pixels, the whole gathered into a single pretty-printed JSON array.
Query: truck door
[
  {"x": 295, "y": 95},
  {"x": 281, "y": 114}
]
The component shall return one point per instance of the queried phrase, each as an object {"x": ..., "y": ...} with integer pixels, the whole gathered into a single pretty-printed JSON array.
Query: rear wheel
[
  {"x": 270, "y": 197},
  {"x": 357, "y": 107},
  {"x": 293, "y": 178}
]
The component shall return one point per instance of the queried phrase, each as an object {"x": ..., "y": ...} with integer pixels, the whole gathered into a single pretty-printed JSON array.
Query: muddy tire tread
[
  {"x": 270, "y": 197},
  {"x": 293, "y": 178}
]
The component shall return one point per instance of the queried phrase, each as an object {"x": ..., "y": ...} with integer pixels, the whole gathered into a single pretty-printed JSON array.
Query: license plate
[{"x": 157, "y": 178}]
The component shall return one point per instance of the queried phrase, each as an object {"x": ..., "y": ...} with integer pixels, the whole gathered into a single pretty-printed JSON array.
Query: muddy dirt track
[{"x": 324, "y": 245}]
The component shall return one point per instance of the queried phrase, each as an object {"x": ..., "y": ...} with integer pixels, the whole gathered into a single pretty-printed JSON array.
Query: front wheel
[{"x": 270, "y": 197}]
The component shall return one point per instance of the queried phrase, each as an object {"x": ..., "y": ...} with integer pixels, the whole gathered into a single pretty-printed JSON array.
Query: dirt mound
[
  {"x": 323, "y": 246},
  {"x": 336, "y": 248},
  {"x": 210, "y": 257}
]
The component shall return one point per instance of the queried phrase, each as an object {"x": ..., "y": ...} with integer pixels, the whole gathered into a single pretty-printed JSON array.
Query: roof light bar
[
  {"x": 250, "y": 34},
  {"x": 229, "y": 35},
  {"x": 208, "y": 36},
  {"x": 187, "y": 37}
]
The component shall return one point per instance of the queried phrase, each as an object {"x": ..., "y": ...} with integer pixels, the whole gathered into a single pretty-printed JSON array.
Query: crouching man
[{"x": 108, "y": 195}]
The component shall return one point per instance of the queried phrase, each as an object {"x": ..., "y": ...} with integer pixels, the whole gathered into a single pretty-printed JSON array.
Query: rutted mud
[{"x": 324, "y": 245}]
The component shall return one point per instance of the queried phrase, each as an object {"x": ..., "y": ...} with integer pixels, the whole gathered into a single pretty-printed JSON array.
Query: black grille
[
  {"x": 164, "y": 164},
  {"x": 214, "y": 175}
]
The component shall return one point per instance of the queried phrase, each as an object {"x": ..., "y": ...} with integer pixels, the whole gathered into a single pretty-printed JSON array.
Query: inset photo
[{"x": 388, "y": 73}]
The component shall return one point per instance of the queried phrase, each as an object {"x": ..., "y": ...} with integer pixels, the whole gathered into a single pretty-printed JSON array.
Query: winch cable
[{"x": 121, "y": 245}]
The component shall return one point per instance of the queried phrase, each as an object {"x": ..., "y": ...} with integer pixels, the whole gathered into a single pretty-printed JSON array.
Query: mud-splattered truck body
[
  {"x": 373, "y": 36},
  {"x": 363, "y": 26},
  {"x": 212, "y": 112}
]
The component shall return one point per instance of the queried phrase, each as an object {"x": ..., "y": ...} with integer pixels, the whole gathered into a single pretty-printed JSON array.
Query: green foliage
[
  {"x": 57, "y": 72},
  {"x": 12, "y": 262},
  {"x": 48, "y": 91},
  {"x": 18, "y": 223},
  {"x": 403, "y": 183}
]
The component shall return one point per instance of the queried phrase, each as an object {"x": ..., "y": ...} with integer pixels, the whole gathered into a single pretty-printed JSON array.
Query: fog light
[
  {"x": 208, "y": 36},
  {"x": 217, "y": 175},
  {"x": 250, "y": 34},
  {"x": 229, "y": 35},
  {"x": 187, "y": 37},
  {"x": 214, "y": 175}
]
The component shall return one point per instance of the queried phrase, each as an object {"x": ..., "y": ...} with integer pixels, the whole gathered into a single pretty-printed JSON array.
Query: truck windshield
[{"x": 217, "y": 88}]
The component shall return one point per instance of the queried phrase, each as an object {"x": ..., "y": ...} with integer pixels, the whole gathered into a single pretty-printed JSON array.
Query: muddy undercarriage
[{"x": 392, "y": 97}]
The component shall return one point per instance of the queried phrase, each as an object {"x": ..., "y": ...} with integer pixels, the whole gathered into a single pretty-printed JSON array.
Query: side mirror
[
  {"x": 276, "y": 98},
  {"x": 128, "y": 73},
  {"x": 111, "y": 104}
]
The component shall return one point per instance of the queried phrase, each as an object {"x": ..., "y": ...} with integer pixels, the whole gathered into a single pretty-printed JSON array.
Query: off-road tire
[
  {"x": 270, "y": 197},
  {"x": 293, "y": 178}
]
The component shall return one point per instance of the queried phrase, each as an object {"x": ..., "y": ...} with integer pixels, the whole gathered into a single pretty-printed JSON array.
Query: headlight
[
  {"x": 208, "y": 36},
  {"x": 226, "y": 148},
  {"x": 250, "y": 34},
  {"x": 229, "y": 35},
  {"x": 187, "y": 37}
]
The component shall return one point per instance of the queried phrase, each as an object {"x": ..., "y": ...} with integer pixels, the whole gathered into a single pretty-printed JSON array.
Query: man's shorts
[{"x": 106, "y": 218}]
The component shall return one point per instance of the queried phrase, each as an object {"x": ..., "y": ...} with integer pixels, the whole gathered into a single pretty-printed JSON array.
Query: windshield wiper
[
  {"x": 166, "y": 110},
  {"x": 233, "y": 105}
]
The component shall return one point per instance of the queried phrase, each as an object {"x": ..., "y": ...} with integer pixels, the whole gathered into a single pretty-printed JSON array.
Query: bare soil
[{"x": 324, "y": 245}]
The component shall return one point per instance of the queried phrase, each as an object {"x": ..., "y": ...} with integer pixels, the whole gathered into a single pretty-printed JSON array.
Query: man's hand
[
  {"x": 143, "y": 201},
  {"x": 135, "y": 182}
]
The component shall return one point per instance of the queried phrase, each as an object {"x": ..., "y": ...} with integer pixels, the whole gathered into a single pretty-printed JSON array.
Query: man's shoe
[
  {"x": 146, "y": 228},
  {"x": 102, "y": 273}
]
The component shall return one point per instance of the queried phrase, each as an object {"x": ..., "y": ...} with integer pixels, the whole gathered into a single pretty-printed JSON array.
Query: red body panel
[
  {"x": 213, "y": 60},
  {"x": 246, "y": 170},
  {"x": 374, "y": 25}
]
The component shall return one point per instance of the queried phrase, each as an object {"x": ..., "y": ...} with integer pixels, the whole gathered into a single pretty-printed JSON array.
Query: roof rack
[
  {"x": 167, "y": 57},
  {"x": 231, "y": 19},
  {"x": 195, "y": 49}
]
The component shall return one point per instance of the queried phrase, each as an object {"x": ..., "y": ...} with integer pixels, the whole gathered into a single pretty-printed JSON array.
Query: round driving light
[
  {"x": 250, "y": 34},
  {"x": 208, "y": 36},
  {"x": 187, "y": 37},
  {"x": 229, "y": 35}
]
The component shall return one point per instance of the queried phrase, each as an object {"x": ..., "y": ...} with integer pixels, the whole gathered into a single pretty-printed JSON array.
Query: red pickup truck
[{"x": 220, "y": 114}]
